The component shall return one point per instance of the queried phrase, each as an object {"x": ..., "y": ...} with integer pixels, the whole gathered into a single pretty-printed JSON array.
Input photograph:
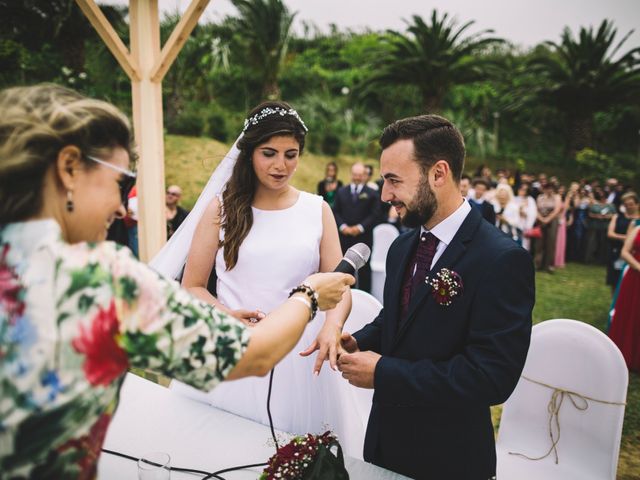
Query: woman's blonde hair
[
  {"x": 35, "y": 124},
  {"x": 506, "y": 188}
]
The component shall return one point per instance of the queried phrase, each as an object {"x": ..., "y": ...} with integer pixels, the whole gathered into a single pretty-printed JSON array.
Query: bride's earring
[{"x": 69, "y": 201}]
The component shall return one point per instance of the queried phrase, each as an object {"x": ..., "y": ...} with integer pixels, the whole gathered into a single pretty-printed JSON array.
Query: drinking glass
[{"x": 154, "y": 466}]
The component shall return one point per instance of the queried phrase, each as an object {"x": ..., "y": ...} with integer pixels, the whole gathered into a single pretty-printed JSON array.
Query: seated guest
[
  {"x": 480, "y": 187},
  {"x": 175, "y": 213},
  {"x": 76, "y": 312},
  {"x": 330, "y": 184}
]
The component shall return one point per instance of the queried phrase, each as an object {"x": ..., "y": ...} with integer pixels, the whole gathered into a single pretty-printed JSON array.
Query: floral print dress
[{"x": 73, "y": 319}]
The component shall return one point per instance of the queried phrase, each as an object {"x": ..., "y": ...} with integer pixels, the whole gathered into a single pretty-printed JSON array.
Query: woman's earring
[{"x": 69, "y": 201}]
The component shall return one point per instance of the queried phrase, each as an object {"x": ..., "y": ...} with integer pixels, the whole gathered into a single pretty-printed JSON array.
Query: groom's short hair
[{"x": 434, "y": 138}]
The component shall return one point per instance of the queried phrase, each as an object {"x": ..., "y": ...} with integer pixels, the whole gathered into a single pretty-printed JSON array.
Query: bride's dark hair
[{"x": 237, "y": 216}]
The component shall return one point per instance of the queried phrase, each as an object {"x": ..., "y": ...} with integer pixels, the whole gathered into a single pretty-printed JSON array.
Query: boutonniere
[
  {"x": 445, "y": 286},
  {"x": 363, "y": 196}
]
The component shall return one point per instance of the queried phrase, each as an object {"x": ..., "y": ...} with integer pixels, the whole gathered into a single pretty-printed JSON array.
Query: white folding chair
[
  {"x": 383, "y": 236},
  {"x": 565, "y": 356}
]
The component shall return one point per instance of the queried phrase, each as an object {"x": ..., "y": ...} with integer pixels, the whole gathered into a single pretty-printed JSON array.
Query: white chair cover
[
  {"x": 573, "y": 356},
  {"x": 383, "y": 236}
]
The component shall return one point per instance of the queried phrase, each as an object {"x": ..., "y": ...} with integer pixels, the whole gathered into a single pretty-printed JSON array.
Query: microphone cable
[{"x": 216, "y": 475}]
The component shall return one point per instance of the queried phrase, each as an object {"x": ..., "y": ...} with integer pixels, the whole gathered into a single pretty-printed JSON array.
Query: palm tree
[
  {"x": 434, "y": 57},
  {"x": 264, "y": 29},
  {"x": 580, "y": 77}
]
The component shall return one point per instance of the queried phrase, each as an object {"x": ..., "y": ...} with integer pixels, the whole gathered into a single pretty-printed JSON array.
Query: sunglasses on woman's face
[{"x": 126, "y": 181}]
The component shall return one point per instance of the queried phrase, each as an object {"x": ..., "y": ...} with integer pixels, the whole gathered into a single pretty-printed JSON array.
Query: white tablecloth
[{"x": 153, "y": 418}]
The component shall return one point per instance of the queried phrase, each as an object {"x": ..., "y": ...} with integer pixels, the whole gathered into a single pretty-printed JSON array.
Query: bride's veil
[{"x": 170, "y": 260}]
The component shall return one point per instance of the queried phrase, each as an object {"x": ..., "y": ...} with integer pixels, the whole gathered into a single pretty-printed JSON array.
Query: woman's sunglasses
[{"x": 126, "y": 181}]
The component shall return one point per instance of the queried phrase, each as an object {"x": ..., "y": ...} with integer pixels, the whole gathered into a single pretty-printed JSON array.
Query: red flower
[
  {"x": 105, "y": 360},
  {"x": 445, "y": 285},
  {"x": 10, "y": 288}
]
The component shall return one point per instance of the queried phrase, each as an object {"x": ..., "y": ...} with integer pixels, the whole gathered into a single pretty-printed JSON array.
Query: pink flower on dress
[
  {"x": 104, "y": 359},
  {"x": 10, "y": 289}
]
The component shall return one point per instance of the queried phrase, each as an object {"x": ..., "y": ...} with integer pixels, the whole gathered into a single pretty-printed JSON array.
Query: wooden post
[
  {"x": 146, "y": 67},
  {"x": 147, "y": 126}
]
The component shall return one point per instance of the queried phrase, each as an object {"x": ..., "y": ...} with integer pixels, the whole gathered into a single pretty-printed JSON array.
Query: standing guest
[
  {"x": 131, "y": 220},
  {"x": 549, "y": 207},
  {"x": 437, "y": 363},
  {"x": 328, "y": 187},
  {"x": 600, "y": 214},
  {"x": 75, "y": 310},
  {"x": 369, "y": 182},
  {"x": 625, "y": 321},
  {"x": 579, "y": 202},
  {"x": 617, "y": 233},
  {"x": 175, "y": 213},
  {"x": 527, "y": 212},
  {"x": 507, "y": 213},
  {"x": 465, "y": 187},
  {"x": 561, "y": 237},
  {"x": 478, "y": 201},
  {"x": 356, "y": 209}
]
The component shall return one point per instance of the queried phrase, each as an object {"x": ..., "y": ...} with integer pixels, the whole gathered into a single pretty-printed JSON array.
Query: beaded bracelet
[{"x": 309, "y": 292}]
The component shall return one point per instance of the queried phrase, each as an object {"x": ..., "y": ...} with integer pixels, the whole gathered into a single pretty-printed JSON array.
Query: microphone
[{"x": 354, "y": 259}]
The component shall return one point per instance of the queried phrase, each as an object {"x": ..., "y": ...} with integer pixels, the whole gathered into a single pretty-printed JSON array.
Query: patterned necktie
[
  {"x": 354, "y": 194},
  {"x": 421, "y": 262}
]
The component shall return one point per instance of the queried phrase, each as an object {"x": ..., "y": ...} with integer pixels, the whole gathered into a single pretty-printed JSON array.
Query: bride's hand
[
  {"x": 330, "y": 287},
  {"x": 248, "y": 317},
  {"x": 327, "y": 343}
]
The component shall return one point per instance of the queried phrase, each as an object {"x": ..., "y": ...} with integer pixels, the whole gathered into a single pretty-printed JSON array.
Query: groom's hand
[{"x": 359, "y": 367}]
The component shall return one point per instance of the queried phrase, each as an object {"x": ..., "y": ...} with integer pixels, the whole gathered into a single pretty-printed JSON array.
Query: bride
[{"x": 263, "y": 237}]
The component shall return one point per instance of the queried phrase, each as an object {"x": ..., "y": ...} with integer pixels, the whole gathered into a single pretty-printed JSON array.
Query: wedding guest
[
  {"x": 561, "y": 236},
  {"x": 356, "y": 210},
  {"x": 617, "y": 233},
  {"x": 579, "y": 202},
  {"x": 507, "y": 213},
  {"x": 262, "y": 237},
  {"x": 527, "y": 212},
  {"x": 625, "y": 321},
  {"x": 549, "y": 206},
  {"x": 599, "y": 216},
  {"x": 465, "y": 186},
  {"x": 330, "y": 184},
  {"x": 369, "y": 182},
  {"x": 478, "y": 201},
  {"x": 175, "y": 213},
  {"x": 76, "y": 311}
]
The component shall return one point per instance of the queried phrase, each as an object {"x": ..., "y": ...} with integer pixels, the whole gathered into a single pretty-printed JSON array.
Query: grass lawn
[{"x": 577, "y": 291}]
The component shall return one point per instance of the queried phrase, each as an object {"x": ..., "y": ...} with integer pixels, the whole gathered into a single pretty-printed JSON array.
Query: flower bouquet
[{"x": 307, "y": 457}]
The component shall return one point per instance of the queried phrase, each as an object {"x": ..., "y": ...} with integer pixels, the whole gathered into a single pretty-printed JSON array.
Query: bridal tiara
[{"x": 267, "y": 111}]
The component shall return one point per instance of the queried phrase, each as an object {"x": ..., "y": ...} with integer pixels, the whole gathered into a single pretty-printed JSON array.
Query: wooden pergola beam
[
  {"x": 146, "y": 66},
  {"x": 178, "y": 38},
  {"x": 110, "y": 38}
]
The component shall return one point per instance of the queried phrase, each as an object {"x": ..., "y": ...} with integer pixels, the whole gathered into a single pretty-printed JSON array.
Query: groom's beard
[{"x": 422, "y": 207}]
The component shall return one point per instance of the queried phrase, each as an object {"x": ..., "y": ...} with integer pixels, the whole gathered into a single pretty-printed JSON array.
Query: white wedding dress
[{"x": 280, "y": 251}]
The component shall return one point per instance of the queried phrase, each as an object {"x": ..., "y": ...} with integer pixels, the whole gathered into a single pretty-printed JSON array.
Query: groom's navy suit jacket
[{"x": 443, "y": 366}]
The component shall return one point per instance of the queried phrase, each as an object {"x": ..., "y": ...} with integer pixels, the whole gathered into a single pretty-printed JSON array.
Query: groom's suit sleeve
[
  {"x": 369, "y": 336},
  {"x": 494, "y": 349}
]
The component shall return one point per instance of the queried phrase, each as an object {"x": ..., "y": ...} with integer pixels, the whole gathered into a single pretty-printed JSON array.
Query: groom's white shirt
[{"x": 447, "y": 229}]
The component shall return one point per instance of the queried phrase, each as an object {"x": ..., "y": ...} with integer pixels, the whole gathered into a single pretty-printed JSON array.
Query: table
[{"x": 153, "y": 418}]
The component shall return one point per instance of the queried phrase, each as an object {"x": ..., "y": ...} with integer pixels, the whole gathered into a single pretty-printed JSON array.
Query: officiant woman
[{"x": 76, "y": 311}]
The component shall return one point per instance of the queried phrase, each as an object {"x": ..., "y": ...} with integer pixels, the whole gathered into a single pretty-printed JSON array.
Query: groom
[{"x": 438, "y": 357}]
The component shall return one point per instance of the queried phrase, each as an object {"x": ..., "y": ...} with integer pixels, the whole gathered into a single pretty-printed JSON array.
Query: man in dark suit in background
[
  {"x": 356, "y": 208},
  {"x": 480, "y": 187},
  {"x": 438, "y": 356}
]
